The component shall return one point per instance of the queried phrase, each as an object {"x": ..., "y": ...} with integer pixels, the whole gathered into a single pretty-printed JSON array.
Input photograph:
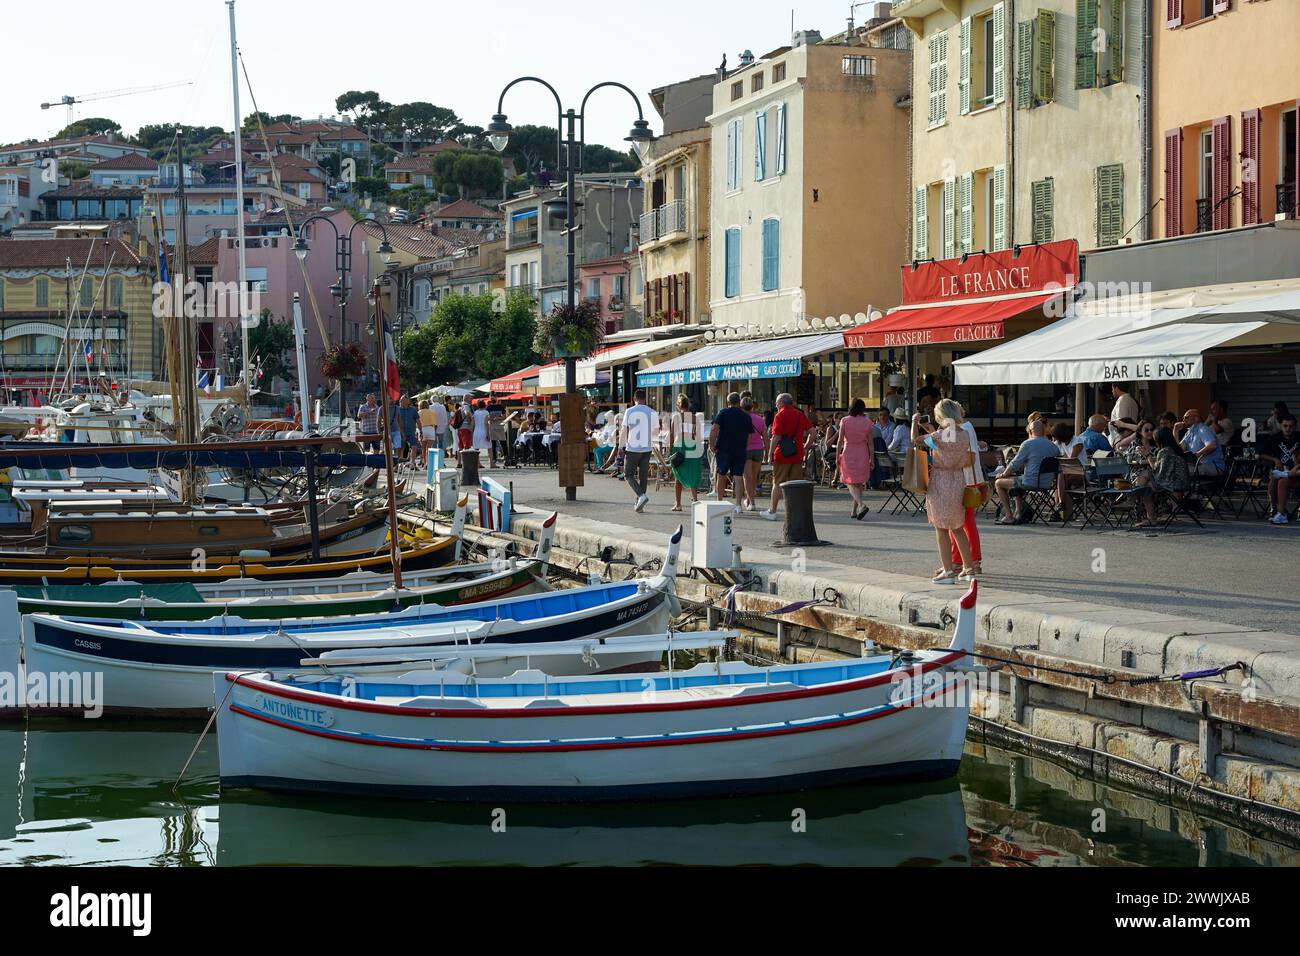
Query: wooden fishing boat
[
  {"x": 363, "y": 593},
  {"x": 165, "y": 667},
  {"x": 715, "y": 729},
  {"x": 432, "y": 554}
]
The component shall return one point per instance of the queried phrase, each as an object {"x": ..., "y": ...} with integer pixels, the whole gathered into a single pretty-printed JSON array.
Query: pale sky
[{"x": 301, "y": 54}]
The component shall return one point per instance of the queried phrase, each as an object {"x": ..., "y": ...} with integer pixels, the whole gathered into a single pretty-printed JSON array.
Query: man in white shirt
[
  {"x": 1125, "y": 407},
  {"x": 440, "y": 422},
  {"x": 895, "y": 400},
  {"x": 636, "y": 438}
]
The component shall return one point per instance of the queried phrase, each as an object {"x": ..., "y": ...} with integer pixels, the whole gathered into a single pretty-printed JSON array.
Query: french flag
[
  {"x": 90, "y": 353},
  {"x": 391, "y": 379}
]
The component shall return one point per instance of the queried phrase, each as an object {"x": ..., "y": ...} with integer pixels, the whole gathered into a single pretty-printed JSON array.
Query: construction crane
[{"x": 69, "y": 101}]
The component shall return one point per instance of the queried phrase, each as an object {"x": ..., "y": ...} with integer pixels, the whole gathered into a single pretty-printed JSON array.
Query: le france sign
[{"x": 951, "y": 301}]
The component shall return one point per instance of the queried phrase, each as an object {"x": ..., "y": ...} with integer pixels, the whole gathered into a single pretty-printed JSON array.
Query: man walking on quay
[
  {"x": 636, "y": 437},
  {"x": 368, "y": 419},
  {"x": 729, "y": 443},
  {"x": 790, "y": 430}
]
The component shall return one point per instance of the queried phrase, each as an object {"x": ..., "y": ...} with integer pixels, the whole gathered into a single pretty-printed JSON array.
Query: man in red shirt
[{"x": 790, "y": 431}]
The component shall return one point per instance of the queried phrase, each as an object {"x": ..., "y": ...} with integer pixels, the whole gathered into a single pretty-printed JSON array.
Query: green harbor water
[{"x": 76, "y": 796}]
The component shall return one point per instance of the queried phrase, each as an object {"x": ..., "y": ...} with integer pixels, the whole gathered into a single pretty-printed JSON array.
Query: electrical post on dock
[{"x": 377, "y": 319}]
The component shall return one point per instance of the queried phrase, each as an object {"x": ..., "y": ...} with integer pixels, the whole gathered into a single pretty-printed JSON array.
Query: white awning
[
  {"x": 552, "y": 376},
  {"x": 1162, "y": 336}
]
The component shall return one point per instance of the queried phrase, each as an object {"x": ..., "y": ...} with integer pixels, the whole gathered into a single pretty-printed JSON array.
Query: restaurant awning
[
  {"x": 635, "y": 351},
  {"x": 1160, "y": 336},
  {"x": 967, "y": 299},
  {"x": 740, "y": 361},
  {"x": 937, "y": 323},
  {"x": 592, "y": 369},
  {"x": 512, "y": 382}
]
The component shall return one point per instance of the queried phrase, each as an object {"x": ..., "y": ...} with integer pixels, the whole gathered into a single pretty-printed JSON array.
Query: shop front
[{"x": 954, "y": 309}]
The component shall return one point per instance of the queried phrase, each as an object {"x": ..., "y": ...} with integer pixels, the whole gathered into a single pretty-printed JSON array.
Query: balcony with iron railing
[
  {"x": 522, "y": 236},
  {"x": 666, "y": 222},
  {"x": 1288, "y": 204},
  {"x": 529, "y": 289}
]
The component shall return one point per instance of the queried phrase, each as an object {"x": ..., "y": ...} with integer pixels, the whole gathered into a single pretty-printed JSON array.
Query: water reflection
[{"x": 105, "y": 795}]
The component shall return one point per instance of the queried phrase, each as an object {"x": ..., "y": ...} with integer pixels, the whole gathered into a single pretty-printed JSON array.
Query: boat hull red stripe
[{"x": 340, "y": 703}]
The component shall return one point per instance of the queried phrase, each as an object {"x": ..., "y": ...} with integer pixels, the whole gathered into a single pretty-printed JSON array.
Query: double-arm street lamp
[
  {"x": 342, "y": 262},
  {"x": 570, "y": 147}
]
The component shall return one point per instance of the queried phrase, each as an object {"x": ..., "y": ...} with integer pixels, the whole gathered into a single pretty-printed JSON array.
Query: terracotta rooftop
[
  {"x": 127, "y": 161},
  {"x": 435, "y": 148},
  {"x": 464, "y": 209},
  {"x": 410, "y": 164},
  {"x": 38, "y": 253}
]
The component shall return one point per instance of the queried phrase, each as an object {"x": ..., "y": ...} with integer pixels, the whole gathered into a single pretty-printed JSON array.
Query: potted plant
[
  {"x": 343, "y": 361},
  {"x": 570, "y": 331}
]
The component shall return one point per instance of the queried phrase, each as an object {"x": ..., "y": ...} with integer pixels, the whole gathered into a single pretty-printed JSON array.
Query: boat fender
[{"x": 254, "y": 554}]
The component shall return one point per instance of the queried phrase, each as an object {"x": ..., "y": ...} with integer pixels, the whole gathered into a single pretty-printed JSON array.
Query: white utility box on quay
[
  {"x": 446, "y": 487},
  {"x": 711, "y": 534}
]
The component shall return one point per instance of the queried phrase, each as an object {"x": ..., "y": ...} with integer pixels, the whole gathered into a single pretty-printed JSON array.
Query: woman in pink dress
[
  {"x": 950, "y": 457},
  {"x": 856, "y": 453}
]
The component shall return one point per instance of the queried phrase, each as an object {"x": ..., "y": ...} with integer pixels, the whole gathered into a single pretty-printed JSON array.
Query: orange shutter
[
  {"x": 1250, "y": 213},
  {"x": 1221, "y": 146},
  {"x": 1173, "y": 182}
]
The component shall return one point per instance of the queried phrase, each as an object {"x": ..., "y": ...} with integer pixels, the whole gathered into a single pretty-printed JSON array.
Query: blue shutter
[
  {"x": 760, "y": 146},
  {"x": 733, "y": 263},
  {"x": 780, "y": 139},
  {"x": 771, "y": 254}
]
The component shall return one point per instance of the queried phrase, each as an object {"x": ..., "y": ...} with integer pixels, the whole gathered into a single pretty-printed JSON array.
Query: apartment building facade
[{"x": 808, "y": 208}]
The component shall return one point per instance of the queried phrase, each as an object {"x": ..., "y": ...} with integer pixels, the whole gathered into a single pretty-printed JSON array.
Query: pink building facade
[{"x": 607, "y": 282}]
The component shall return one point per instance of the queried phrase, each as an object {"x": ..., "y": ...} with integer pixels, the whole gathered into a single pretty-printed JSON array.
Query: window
[
  {"x": 1085, "y": 44},
  {"x": 760, "y": 147},
  {"x": 780, "y": 139},
  {"x": 257, "y": 278},
  {"x": 982, "y": 61},
  {"x": 938, "y": 50},
  {"x": 771, "y": 254},
  {"x": 1036, "y": 60},
  {"x": 1205, "y": 187},
  {"x": 619, "y": 282},
  {"x": 87, "y": 293},
  {"x": 965, "y": 214},
  {"x": 737, "y": 90},
  {"x": 42, "y": 293},
  {"x": 732, "y": 263},
  {"x": 1110, "y": 204},
  {"x": 735, "y": 131},
  {"x": 1042, "y": 210},
  {"x": 756, "y": 82},
  {"x": 593, "y": 288},
  {"x": 920, "y": 224},
  {"x": 115, "y": 291},
  {"x": 778, "y": 72},
  {"x": 853, "y": 65}
]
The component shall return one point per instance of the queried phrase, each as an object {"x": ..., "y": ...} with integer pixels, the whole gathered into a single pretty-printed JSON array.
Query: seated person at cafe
[
  {"x": 1063, "y": 435},
  {"x": 1022, "y": 470},
  {"x": 901, "y": 440},
  {"x": 1091, "y": 439},
  {"x": 1168, "y": 474},
  {"x": 1282, "y": 450},
  {"x": 1199, "y": 439},
  {"x": 1220, "y": 423}
]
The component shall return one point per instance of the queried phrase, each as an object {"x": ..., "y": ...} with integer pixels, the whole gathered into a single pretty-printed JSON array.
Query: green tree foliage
[
  {"x": 272, "y": 342},
  {"x": 374, "y": 186},
  {"x": 421, "y": 120},
  {"x": 533, "y": 148},
  {"x": 91, "y": 126},
  {"x": 73, "y": 169},
  {"x": 251, "y": 121},
  {"x": 158, "y": 138},
  {"x": 467, "y": 172},
  {"x": 465, "y": 337}
]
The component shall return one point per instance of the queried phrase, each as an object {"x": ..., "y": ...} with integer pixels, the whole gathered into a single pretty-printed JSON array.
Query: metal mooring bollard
[
  {"x": 469, "y": 468},
  {"x": 800, "y": 531}
]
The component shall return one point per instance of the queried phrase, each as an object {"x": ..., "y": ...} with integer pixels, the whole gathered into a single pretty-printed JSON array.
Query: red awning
[
  {"x": 512, "y": 382},
  {"x": 934, "y": 324}
]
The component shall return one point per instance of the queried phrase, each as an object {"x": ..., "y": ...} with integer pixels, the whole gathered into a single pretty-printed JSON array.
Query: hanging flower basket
[
  {"x": 570, "y": 331},
  {"x": 343, "y": 361}
]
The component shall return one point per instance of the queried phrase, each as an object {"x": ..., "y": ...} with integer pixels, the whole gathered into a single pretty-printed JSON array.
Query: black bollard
[
  {"x": 799, "y": 528},
  {"x": 469, "y": 468}
]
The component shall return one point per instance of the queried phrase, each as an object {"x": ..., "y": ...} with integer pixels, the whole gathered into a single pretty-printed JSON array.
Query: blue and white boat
[
  {"x": 165, "y": 667},
  {"x": 715, "y": 729}
]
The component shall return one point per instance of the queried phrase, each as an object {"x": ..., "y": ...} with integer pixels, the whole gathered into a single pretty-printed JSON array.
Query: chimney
[
  {"x": 883, "y": 11},
  {"x": 806, "y": 38},
  {"x": 746, "y": 58}
]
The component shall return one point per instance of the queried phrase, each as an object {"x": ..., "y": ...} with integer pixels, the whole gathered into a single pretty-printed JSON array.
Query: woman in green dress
[{"x": 687, "y": 450}]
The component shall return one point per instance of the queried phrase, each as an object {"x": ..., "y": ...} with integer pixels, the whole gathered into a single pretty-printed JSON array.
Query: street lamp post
[
  {"x": 342, "y": 262},
  {"x": 575, "y": 136}
]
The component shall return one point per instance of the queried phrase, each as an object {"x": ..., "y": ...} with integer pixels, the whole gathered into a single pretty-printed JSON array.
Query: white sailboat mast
[{"x": 245, "y": 374}]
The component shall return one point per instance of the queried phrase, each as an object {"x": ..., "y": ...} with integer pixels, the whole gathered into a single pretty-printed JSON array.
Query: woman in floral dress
[{"x": 950, "y": 456}]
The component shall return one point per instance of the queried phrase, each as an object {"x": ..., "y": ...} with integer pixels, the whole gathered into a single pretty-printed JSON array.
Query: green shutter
[
  {"x": 949, "y": 218},
  {"x": 999, "y": 90},
  {"x": 1024, "y": 64},
  {"x": 1042, "y": 210},
  {"x": 1044, "y": 56},
  {"x": 1115, "y": 41},
  {"x": 42, "y": 294},
  {"x": 965, "y": 213},
  {"x": 999, "y": 208},
  {"x": 963, "y": 78},
  {"x": 1085, "y": 54},
  {"x": 921, "y": 226},
  {"x": 1110, "y": 204}
]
